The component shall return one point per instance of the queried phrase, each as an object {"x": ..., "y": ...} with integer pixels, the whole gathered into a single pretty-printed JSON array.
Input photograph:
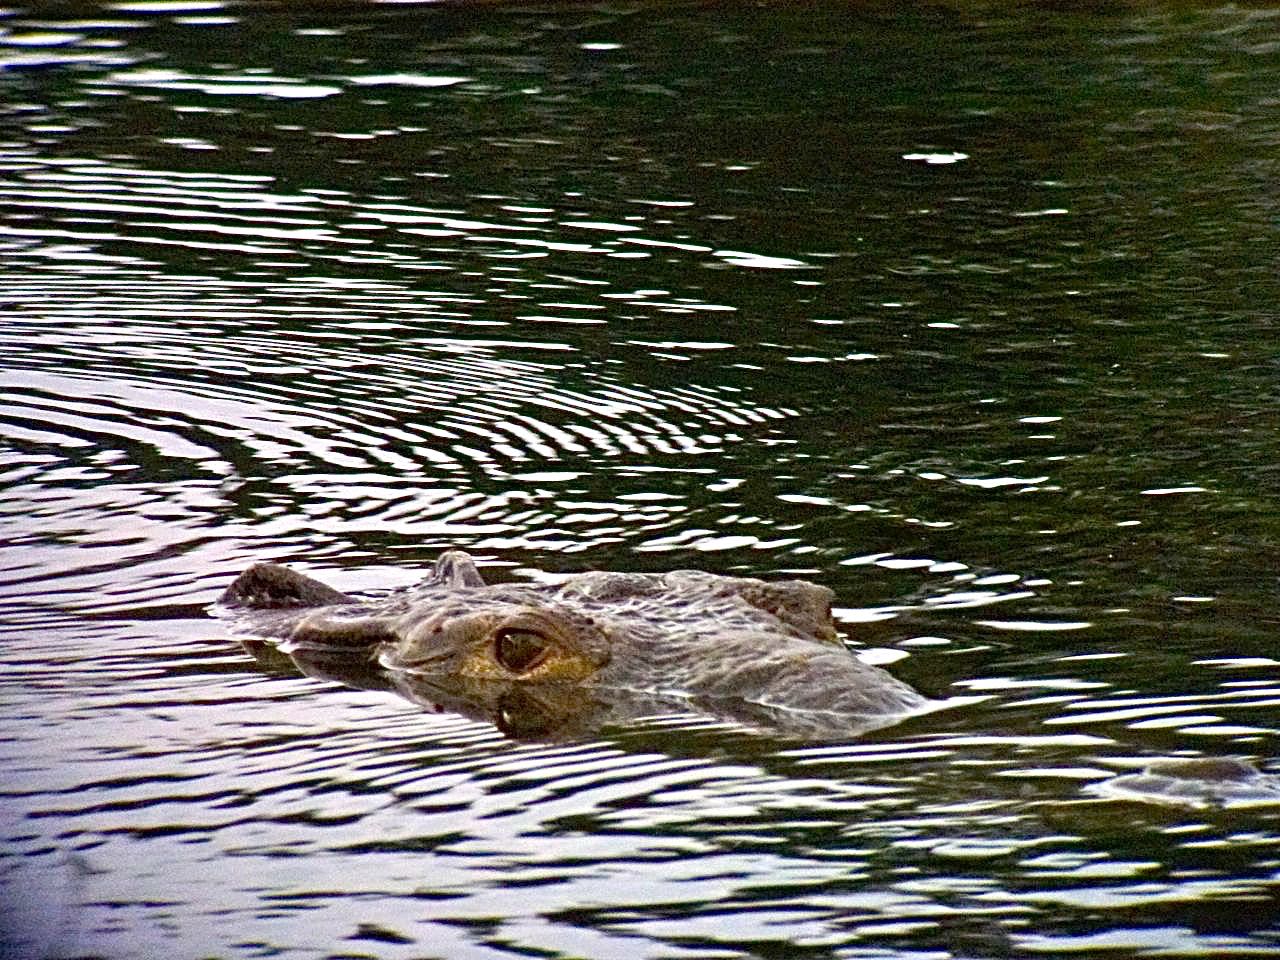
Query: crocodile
[
  {"x": 551, "y": 659},
  {"x": 1196, "y": 782}
]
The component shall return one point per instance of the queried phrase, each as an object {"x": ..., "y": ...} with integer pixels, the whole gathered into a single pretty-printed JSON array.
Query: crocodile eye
[{"x": 519, "y": 650}]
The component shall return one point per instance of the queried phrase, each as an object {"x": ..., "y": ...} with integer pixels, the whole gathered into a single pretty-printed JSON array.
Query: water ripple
[
  {"x": 188, "y": 373},
  {"x": 347, "y": 286}
]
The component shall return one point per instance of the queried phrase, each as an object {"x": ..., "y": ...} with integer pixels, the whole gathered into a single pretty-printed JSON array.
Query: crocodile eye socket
[{"x": 519, "y": 650}]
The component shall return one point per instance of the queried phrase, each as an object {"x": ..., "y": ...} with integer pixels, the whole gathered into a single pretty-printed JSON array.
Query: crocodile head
[
  {"x": 715, "y": 642},
  {"x": 452, "y": 624},
  {"x": 499, "y": 640}
]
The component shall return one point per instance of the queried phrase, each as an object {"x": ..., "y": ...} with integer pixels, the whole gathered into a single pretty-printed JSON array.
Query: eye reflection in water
[{"x": 553, "y": 711}]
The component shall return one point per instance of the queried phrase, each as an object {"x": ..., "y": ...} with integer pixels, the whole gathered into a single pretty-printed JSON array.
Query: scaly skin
[
  {"x": 1195, "y": 782},
  {"x": 720, "y": 642}
]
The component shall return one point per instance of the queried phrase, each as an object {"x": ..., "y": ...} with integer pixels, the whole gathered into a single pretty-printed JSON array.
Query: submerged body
[
  {"x": 1195, "y": 782},
  {"x": 743, "y": 649}
]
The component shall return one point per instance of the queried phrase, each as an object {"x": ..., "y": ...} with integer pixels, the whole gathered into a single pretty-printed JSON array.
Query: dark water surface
[{"x": 967, "y": 313}]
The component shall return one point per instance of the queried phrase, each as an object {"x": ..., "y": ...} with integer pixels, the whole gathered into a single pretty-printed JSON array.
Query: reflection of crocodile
[
  {"x": 1194, "y": 782},
  {"x": 545, "y": 660}
]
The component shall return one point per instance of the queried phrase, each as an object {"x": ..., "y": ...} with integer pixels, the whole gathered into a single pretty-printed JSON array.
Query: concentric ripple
[
  {"x": 965, "y": 313},
  {"x": 311, "y": 409}
]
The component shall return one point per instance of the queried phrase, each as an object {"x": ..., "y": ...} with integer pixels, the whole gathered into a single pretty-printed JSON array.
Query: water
[{"x": 968, "y": 314}]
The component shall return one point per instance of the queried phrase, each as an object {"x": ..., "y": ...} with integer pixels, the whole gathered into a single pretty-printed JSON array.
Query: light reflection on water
[
  {"x": 965, "y": 317},
  {"x": 364, "y": 815}
]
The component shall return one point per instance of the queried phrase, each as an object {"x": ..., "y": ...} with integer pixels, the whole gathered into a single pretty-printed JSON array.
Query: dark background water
[{"x": 964, "y": 311}]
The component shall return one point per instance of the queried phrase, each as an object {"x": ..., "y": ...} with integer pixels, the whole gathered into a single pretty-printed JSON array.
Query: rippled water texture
[{"x": 966, "y": 312}]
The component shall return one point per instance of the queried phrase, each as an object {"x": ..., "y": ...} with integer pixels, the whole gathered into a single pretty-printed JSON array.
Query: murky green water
[{"x": 967, "y": 313}]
